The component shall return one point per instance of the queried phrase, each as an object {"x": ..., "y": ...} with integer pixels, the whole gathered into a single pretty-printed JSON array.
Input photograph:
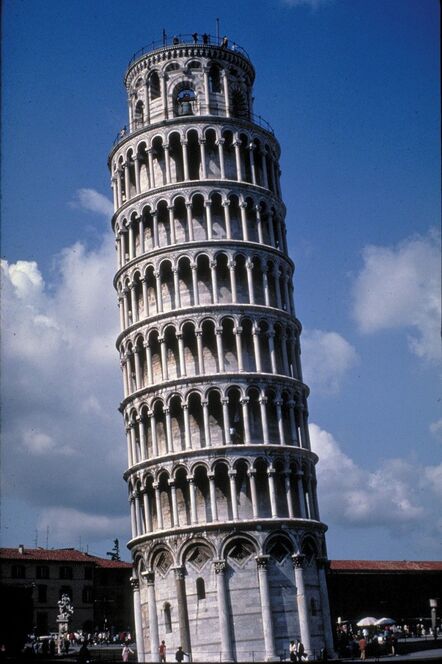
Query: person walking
[
  {"x": 362, "y": 647},
  {"x": 292, "y": 651},
  {"x": 125, "y": 653},
  {"x": 179, "y": 655},
  {"x": 162, "y": 651},
  {"x": 300, "y": 651}
]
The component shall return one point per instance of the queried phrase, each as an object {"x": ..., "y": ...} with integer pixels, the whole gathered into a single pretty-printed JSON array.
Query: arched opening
[
  {"x": 176, "y": 158},
  {"x": 139, "y": 114},
  {"x": 180, "y": 220},
  {"x": 200, "y": 589},
  {"x": 185, "y": 101},
  {"x": 236, "y": 421},
  {"x": 190, "y": 350},
  {"x": 229, "y": 345},
  {"x": 224, "y": 291}
]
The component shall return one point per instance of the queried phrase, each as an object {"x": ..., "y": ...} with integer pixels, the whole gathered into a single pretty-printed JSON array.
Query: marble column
[
  {"x": 183, "y": 615},
  {"x": 153, "y": 617},
  {"x": 226, "y": 654},
  {"x": 137, "y": 618},
  {"x": 301, "y": 598},
  {"x": 266, "y": 608}
]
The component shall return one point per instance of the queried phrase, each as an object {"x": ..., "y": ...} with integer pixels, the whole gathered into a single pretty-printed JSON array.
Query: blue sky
[{"x": 351, "y": 88}]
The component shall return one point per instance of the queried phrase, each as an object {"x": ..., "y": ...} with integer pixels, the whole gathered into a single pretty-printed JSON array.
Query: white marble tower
[{"x": 227, "y": 544}]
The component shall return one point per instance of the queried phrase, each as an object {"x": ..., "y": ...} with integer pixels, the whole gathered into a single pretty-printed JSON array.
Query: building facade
[
  {"x": 227, "y": 543},
  {"x": 35, "y": 579}
]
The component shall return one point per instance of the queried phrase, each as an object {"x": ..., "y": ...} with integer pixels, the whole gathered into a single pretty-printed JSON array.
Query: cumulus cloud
[
  {"x": 396, "y": 494},
  {"x": 400, "y": 287},
  {"x": 326, "y": 358},
  {"x": 63, "y": 439},
  {"x": 93, "y": 201}
]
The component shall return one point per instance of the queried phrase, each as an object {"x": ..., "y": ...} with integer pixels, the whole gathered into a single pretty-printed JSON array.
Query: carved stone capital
[
  {"x": 262, "y": 561},
  {"x": 298, "y": 561},
  {"x": 149, "y": 577},
  {"x": 134, "y": 582},
  {"x": 220, "y": 566}
]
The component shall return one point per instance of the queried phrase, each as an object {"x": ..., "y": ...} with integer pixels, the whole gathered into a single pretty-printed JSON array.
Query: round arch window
[{"x": 185, "y": 101}]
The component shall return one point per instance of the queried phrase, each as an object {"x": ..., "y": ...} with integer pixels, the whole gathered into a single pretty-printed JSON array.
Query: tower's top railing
[{"x": 189, "y": 40}]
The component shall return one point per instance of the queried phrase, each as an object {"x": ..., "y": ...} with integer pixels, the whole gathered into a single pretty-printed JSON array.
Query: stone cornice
[
  {"x": 199, "y": 186},
  {"x": 261, "y": 523},
  {"x": 193, "y": 120},
  {"x": 222, "y": 452},
  {"x": 215, "y": 245},
  {"x": 239, "y": 309},
  {"x": 213, "y": 380}
]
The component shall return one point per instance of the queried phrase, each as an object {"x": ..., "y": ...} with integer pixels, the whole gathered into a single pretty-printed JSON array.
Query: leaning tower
[{"x": 228, "y": 548}]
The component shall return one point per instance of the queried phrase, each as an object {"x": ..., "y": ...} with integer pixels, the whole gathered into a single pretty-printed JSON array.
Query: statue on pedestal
[{"x": 65, "y": 611}]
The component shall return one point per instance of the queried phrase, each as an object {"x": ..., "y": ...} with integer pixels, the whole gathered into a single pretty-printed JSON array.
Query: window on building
[
  {"x": 185, "y": 101},
  {"x": 42, "y": 594},
  {"x": 88, "y": 595},
  {"x": 89, "y": 573},
  {"x": 42, "y": 572},
  {"x": 18, "y": 572},
  {"x": 215, "y": 79},
  {"x": 167, "y": 618},
  {"x": 200, "y": 588},
  {"x": 154, "y": 84},
  {"x": 66, "y": 572}
]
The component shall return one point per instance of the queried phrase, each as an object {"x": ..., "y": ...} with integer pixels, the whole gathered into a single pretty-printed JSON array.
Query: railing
[
  {"x": 139, "y": 124},
  {"x": 189, "y": 40}
]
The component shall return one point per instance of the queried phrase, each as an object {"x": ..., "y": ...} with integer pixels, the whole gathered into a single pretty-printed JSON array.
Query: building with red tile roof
[{"x": 32, "y": 581}]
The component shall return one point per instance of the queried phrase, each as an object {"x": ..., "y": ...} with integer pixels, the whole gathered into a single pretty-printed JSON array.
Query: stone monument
[{"x": 65, "y": 612}]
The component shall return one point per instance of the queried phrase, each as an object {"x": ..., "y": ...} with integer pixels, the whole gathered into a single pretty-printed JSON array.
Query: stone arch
[
  {"x": 209, "y": 347},
  {"x": 196, "y": 420},
  {"x": 194, "y": 154},
  {"x": 213, "y": 168},
  {"x": 222, "y": 491},
  {"x": 243, "y": 491},
  {"x": 262, "y": 487},
  {"x": 191, "y": 362},
  {"x": 223, "y": 283}
]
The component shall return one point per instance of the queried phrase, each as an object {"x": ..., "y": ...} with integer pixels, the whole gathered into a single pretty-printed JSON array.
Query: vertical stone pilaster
[
  {"x": 266, "y": 610},
  {"x": 137, "y": 618},
  {"x": 301, "y": 598},
  {"x": 183, "y": 616},
  {"x": 152, "y": 612},
  {"x": 226, "y": 654}
]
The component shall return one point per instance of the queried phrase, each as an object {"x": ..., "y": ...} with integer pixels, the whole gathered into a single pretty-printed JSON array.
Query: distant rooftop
[
  {"x": 59, "y": 555},
  {"x": 386, "y": 566}
]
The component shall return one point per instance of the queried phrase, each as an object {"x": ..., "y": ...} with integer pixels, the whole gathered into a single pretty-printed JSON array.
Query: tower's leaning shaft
[{"x": 227, "y": 543}]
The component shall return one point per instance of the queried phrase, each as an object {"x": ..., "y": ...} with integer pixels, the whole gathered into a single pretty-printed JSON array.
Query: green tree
[{"x": 115, "y": 553}]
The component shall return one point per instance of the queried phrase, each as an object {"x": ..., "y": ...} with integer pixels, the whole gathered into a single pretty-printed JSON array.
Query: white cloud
[
  {"x": 68, "y": 525},
  {"x": 326, "y": 358},
  {"x": 395, "y": 494},
  {"x": 400, "y": 287},
  {"x": 93, "y": 201},
  {"x": 63, "y": 439},
  {"x": 436, "y": 429}
]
